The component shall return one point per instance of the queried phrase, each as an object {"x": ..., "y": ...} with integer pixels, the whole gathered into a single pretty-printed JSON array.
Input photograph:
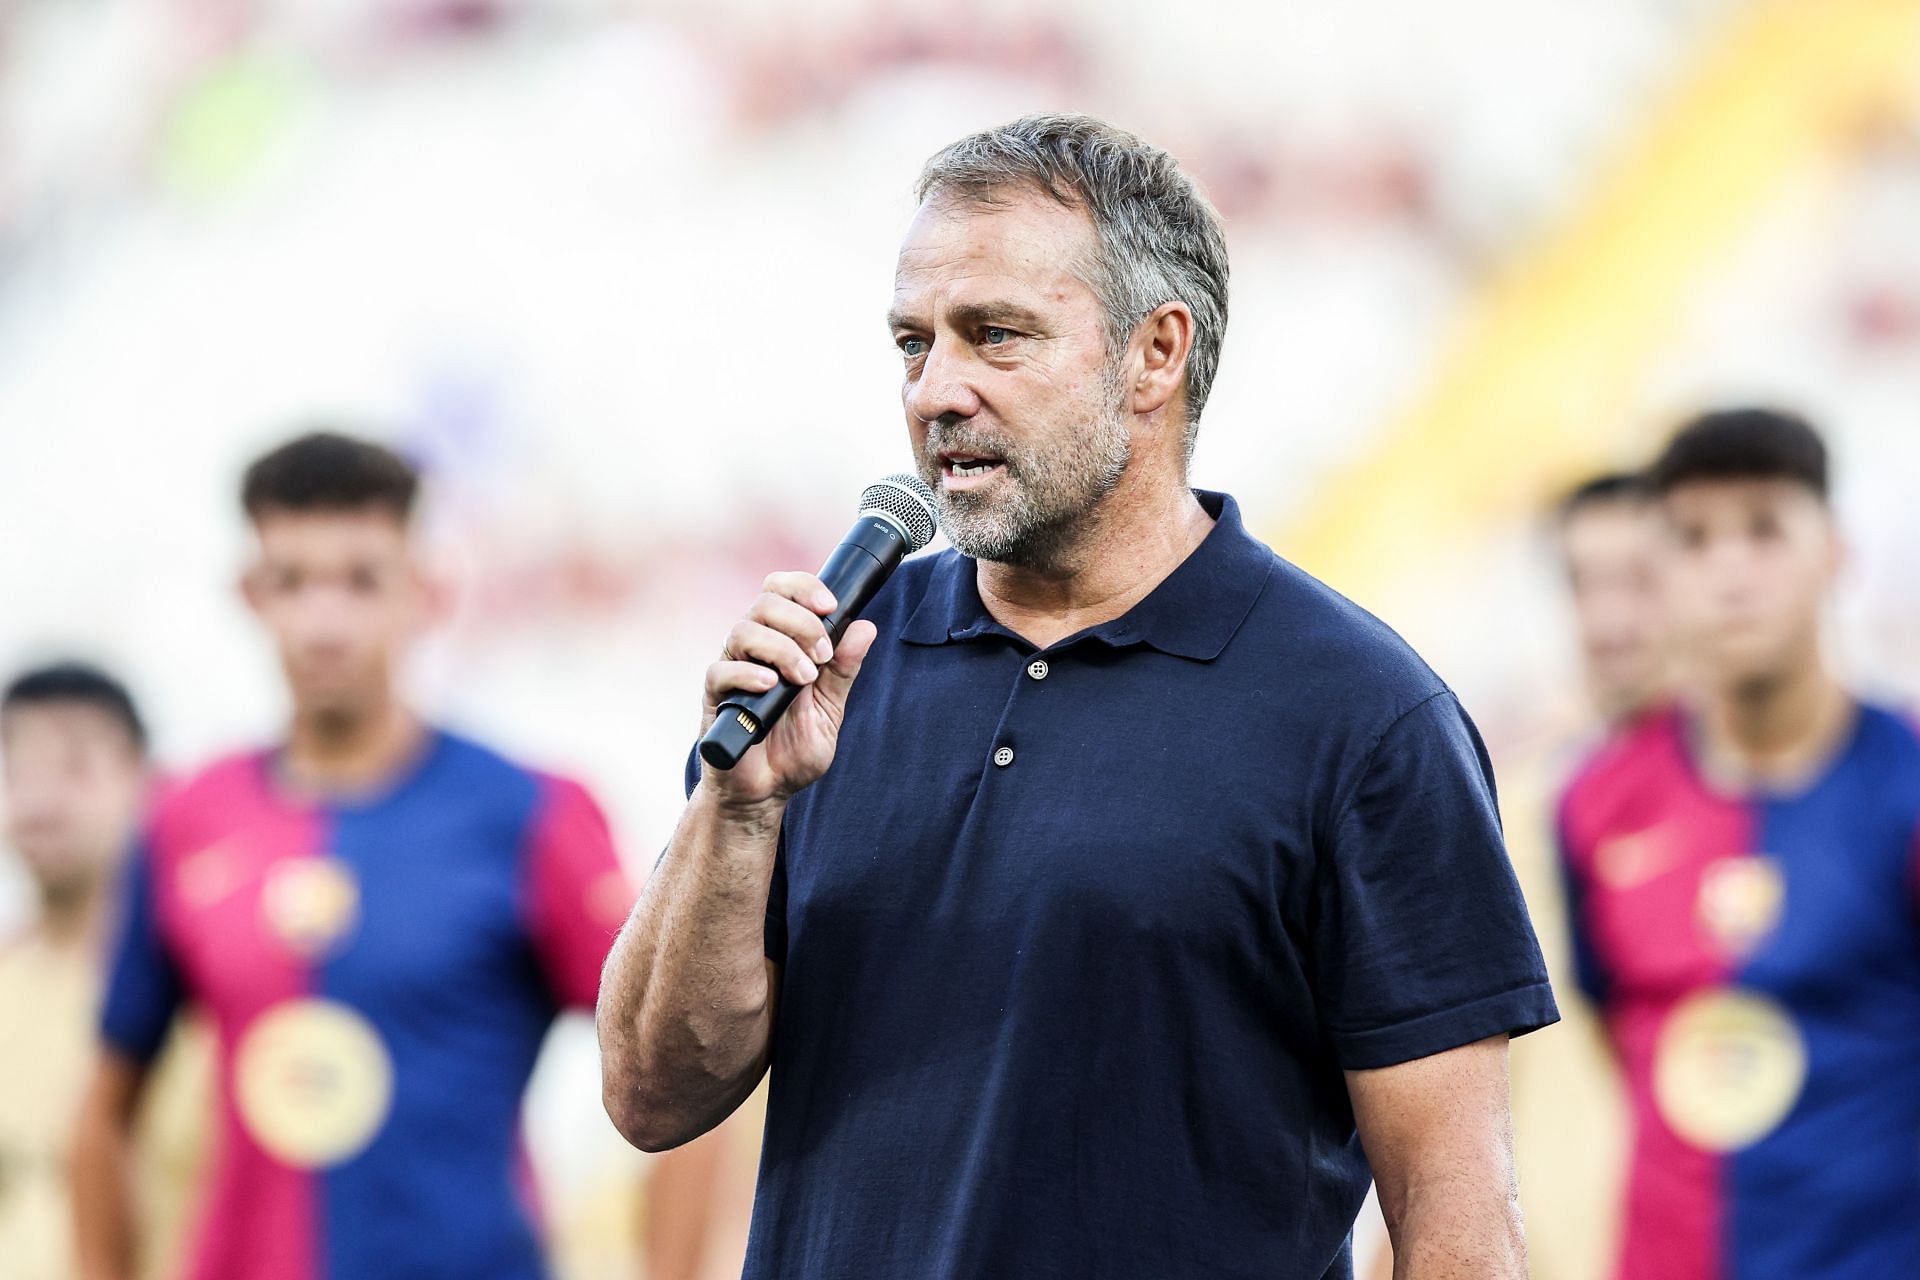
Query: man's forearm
[
  {"x": 102, "y": 1196},
  {"x": 1455, "y": 1234},
  {"x": 1439, "y": 1134},
  {"x": 686, "y": 1004}
]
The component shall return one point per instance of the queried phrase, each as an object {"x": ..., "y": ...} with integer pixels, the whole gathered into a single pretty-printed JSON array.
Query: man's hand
[
  {"x": 783, "y": 636},
  {"x": 1439, "y": 1134},
  {"x": 688, "y": 996}
]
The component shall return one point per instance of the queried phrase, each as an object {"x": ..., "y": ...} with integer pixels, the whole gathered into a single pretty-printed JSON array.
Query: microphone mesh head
[{"x": 907, "y": 502}]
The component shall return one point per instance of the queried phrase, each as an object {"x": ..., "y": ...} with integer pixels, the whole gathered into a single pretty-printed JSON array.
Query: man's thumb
[{"x": 836, "y": 678}]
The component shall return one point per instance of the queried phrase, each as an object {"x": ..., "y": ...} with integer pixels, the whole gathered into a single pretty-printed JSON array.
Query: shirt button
[
  {"x": 1003, "y": 757},
  {"x": 1038, "y": 668}
]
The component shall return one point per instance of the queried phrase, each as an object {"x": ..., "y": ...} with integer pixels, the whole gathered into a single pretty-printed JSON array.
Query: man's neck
[
  {"x": 334, "y": 753},
  {"x": 69, "y": 919},
  {"x": 1776, "y": 733},
  {"x": 1128, "y": 548}
]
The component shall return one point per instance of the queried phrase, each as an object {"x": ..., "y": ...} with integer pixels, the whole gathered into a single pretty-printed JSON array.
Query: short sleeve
[
  {"x": 776, "y": 922},
  {"x": 579, "y": 895},
  {"x": 144, "y": 988},
  {"x": 1589, "y": 970},
  {"x": 1913, "y": 863},
  {"x": 1421, "y": 940}
]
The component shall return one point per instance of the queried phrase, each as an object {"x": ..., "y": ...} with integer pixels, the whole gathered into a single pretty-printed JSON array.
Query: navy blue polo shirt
[{"x": 1077, "y": 942}]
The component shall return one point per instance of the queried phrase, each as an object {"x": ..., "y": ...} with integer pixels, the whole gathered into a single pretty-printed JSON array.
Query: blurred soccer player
[
  {"x": 75, "y": 778},
  {"x": 1609, "y": 540},
  {"x": 1743, "y": 898},
  {"x": 381, "y": 917}
]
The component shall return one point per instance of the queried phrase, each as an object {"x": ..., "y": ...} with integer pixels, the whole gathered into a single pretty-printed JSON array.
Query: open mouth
[{"x": 968, "y": 466}]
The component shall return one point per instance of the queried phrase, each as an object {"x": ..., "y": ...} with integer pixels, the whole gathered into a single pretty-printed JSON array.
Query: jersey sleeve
[
  {"x": 1421, "y": 940},
  {"x": 144, "y": 988},
  {"x": 775, "y": 926},
  {"x": 579, "y": 893},
  {"x": 1913, "y": 864}
]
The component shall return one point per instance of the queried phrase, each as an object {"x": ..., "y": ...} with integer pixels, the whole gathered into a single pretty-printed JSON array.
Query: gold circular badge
[
  {"x": 1740, "y": 902},
  {"x": 313, "y": 1082},
  {"x": 311, "y": 904},
  {"x": 1728, "y": 1068}
]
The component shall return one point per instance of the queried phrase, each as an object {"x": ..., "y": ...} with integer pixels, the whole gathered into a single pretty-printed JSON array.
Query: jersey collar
[{"x": 1193, "y": 613}]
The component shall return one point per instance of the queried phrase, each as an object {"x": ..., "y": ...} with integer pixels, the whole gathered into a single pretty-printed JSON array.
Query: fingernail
[
  {"x": 825, "y": 603},
  {"x": 823, "y": 650},
  {"x": 808, "y": 672}
]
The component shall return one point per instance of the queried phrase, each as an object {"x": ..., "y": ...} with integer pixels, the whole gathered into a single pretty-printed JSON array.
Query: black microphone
[{"x": 896, "y": 520}]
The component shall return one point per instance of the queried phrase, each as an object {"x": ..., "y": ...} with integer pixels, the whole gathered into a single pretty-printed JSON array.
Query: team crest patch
[
  {"x": 310, "y": 904},
  {"x": 1740, "y": 902},
  {"x": 1728, "y": 1069},
  {"x": 313, "y": 1082}
]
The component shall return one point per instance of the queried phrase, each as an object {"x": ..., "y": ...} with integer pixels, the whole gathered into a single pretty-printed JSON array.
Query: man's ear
[
  {"x": 1840, "y": 552},
  {"x": 252, "y": 588},
  {"x": 1163, "y": 342},
  {"x": 434, "y": 587}
]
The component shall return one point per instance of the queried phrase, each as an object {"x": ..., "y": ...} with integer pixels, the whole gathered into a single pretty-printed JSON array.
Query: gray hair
[{"x": 1159, "y": 239}]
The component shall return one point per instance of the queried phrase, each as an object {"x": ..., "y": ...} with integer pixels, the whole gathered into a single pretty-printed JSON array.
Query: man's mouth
[{"x": 967, "y": 466}]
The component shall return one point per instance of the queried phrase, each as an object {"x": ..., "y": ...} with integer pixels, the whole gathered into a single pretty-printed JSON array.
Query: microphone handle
[{"x": 855, "y": 572}]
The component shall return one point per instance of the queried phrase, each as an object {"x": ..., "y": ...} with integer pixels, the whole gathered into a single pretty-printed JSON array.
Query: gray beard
[{"x": 1043, "y": 499}]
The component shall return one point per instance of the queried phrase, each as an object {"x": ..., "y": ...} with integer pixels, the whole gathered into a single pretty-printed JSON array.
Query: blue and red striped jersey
[
  {"x": 1757, "y": 961},
  {"x": 381, "y": 973}
]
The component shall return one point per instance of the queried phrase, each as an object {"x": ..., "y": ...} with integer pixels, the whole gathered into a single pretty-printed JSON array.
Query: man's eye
[
  {"x": 912, "y": 347},
  {"x": 995, "y": 335}
]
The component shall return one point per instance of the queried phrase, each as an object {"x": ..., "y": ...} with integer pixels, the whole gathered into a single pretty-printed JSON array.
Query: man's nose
[
  {"x": 943, "y": 389},
  {"x": 1732, "y": 563},
  {"x": 324, "y": 620}
]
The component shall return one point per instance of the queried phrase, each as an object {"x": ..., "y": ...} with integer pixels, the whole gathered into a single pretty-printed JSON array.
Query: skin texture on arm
[
  {"x": 688, "y": 996},
  {"x": 103, "y": 1168},
  {"x": 1438, "y": 1132},
  {"x": 687, "y": 1003}
]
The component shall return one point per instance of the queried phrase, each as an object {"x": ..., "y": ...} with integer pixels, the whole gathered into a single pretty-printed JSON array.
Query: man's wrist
[{"x": 758, "y": 818}]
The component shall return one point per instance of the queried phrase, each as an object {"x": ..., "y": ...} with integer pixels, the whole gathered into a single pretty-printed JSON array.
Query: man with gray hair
[{"x": 1144, "y": 891}]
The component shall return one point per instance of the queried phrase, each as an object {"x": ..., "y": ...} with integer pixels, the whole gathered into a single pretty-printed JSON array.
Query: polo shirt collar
[{"x": 1193, "y": 613}]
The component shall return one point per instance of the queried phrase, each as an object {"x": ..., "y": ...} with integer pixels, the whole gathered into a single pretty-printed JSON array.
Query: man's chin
[
  {"x": 1745, "y": 667},
  {"x": 969, "y": 516},
  {"x": 68, "y": 880},
  {"x": 1022, "y": 549},
  {"x": 332, "y": 710}
]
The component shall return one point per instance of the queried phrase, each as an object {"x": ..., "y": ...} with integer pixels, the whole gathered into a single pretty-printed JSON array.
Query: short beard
[{"x": 1049, "y": 489}]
